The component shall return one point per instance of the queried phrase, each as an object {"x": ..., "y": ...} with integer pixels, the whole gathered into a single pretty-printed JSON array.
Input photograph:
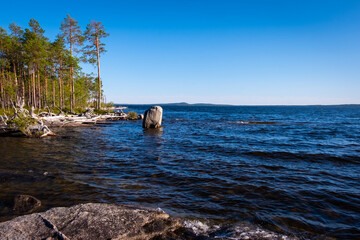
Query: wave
[
  {"x": 238, "y": 231},
  {"x": 255, "y": 122},
  {"x": 305, "y": 156}
]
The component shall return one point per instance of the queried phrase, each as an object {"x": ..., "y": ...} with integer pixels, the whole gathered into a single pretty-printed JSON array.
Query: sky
[{"x": 241, "y": 52}]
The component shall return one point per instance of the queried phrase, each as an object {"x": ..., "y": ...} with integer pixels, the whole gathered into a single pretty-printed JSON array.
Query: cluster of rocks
[{"x": 120, "y": 113}]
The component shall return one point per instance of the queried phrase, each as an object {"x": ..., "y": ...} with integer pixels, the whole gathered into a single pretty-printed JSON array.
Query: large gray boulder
[
  {"x": 153, "y": 117},
  {"x": 90, "y": 221}
]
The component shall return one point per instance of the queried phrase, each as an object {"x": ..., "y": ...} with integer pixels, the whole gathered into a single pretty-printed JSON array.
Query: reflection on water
[
  {"x": 156, "y": 132},
  {"x": 297, "y": 172},
  {"x": 153, "y": 142}
]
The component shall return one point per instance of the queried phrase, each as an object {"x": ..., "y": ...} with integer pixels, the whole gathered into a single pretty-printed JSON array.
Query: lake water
[{"x": 293, "y": 170}]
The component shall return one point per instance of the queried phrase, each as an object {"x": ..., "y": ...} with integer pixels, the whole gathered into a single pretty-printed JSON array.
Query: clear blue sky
[{"x": 241, "y": 52}]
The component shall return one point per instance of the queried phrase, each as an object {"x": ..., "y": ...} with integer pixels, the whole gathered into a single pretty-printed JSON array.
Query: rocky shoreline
[
  {"x": 113, "y": 221},
  {"x": 91, "y": 221},
  {"x": 29, "y": 124}
]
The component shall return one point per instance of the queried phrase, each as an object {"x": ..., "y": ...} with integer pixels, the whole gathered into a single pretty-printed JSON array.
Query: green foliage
[
  {"x": 22, "y": 124},
  {"x": 108, "y": 105},
  {"x": 100, "y": 111},
  {"x": 132, "y": 115},
  {"x": 79, "y": 110},
  {"x": 94, "y": 32},
  {"x": 45, "y": 72},
  {"x": 71, "y": 32},
  {"x": 8, "y": 112},
  {"x": 55, "y": 110}
]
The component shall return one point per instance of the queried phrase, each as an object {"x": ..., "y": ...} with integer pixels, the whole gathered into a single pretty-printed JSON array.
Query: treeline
[{"x": 46, "y": 73}]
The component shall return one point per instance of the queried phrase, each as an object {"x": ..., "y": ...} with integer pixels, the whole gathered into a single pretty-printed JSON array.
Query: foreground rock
[
  {"x": 153, "y": 117},
  {"x": 91, "y": 221},
  {"x": 109, "y": 221}
]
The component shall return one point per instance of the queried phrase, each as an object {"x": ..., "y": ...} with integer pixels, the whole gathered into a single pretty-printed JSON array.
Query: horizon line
[{"x": 244, "y": 105}]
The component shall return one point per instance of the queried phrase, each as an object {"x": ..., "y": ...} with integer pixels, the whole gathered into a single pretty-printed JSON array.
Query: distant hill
[{"x": 178, "y": 104}]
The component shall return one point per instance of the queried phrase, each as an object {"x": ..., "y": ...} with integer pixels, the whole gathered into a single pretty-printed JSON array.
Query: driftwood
[
  {"x": 23, "y": 123},
  {"x": 44, "y": 120},
  {"x": 86, "y": 118},
  {"x": 32, "y": 112}
]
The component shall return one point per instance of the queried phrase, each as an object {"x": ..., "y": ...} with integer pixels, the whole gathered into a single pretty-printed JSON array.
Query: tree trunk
[
  {"x": 33, "y": 87},
  {"x": 98, "y": 66},
  {"x": 73, "y": 87},
  {"x": 70, "y": 89},
  {"x": 53, "y": 86},
  {"x": 60, "y": 91},
  {"x": 72, "y": 97},
  {"x": 2, "y": 97},
  {"x": 46, "y": 86},
  {"x": 15, "y": 81},
  {"x": 39, "y": 88},
  {"x": 29, "y": 88}
]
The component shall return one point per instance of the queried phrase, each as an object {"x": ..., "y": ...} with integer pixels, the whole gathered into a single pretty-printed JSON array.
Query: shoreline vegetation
[
  {"x": 41, "y": 81},
  {"x": 31, "y": 123},
  {"x": 46, "y": 74}
]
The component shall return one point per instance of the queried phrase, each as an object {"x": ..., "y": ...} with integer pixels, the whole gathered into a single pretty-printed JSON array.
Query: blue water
[{"x": 294, "y": 170}]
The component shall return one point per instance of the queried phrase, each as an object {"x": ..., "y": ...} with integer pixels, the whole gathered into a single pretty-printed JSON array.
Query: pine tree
[
  {"x": 94, "y": 33},
  {"x": 35, "y": 51},
  {"x": 40, "y": 72},
  {"x": 72, "y": 34},
  {"x": 15, "y": 38}
]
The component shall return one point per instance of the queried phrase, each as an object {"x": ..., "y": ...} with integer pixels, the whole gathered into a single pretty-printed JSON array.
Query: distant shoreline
[{"x": 230, "y": 105}]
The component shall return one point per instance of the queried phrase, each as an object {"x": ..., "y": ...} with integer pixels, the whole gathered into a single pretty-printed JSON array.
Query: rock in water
[
  {"x": 26, "y": 204},
  {"x": 91, "y": 221},
  {"x": 153, "y": 117}
]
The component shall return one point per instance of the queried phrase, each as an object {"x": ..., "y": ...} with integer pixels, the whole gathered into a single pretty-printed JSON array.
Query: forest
[{"x": 42, "y": 73}]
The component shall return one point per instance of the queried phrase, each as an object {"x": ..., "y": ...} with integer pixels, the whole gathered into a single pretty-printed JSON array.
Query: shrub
[
  {"x": 132, "y": 115},
  {"x": 100, "y": 111},
  {"x": 22, "y": 124},
  {"x": 7, "y": 112},
  {"x": 79, "y": 110}
]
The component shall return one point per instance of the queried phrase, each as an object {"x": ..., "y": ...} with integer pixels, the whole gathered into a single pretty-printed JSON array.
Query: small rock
[
  {"x": 26, "y": 204},
  {"x": 140, "y": 116}
]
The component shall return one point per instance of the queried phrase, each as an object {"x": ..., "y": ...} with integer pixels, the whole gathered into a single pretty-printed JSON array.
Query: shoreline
[
  {"x": 25, "y": 123},
  {"x": 88, "y": 221}
]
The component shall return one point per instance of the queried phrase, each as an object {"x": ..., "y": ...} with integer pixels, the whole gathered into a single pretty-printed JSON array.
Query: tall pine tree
[
  {"x": 72, "y": 34},
  {"x": 94, "y": 34}
]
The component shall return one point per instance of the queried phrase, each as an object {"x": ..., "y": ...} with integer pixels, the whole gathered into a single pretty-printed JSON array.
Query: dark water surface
[{"x": 291, "y": 170}]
